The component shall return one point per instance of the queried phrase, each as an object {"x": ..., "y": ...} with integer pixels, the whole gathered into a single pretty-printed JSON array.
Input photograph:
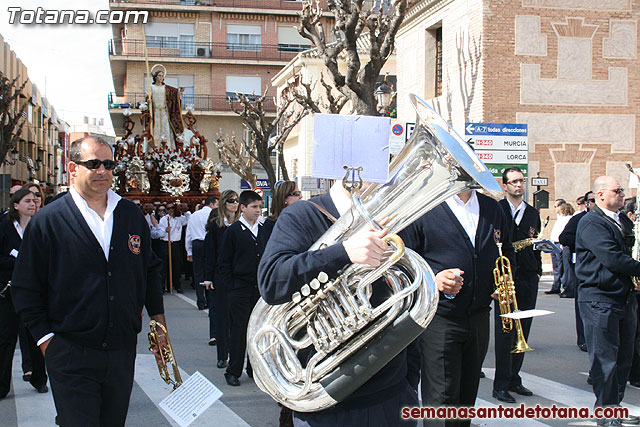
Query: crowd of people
[{"x": 81, "y": 302}]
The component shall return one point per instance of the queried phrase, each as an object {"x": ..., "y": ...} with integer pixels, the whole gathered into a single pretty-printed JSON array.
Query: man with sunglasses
[
  {"x": 568, "y": 238},
  {"x": 604, "y": 268},
  {"x": 84, "y": 273}
]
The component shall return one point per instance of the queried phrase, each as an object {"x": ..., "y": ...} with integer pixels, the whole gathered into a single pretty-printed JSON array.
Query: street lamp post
[{"x": 383, "y": 94}]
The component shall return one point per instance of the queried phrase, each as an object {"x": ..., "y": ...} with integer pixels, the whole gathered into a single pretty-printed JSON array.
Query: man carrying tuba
[
  {"x": 287, "y": 265},
  {"x": 524, "y": 222},
  {"x": 458, "y": 239}
]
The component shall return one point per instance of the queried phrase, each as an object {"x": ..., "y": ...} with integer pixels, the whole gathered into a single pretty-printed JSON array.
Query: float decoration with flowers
[{"x": 147, "y": 170}]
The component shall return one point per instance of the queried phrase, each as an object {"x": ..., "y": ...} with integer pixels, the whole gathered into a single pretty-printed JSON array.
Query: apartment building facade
[
  {"x": 566, "y": 68},
  {"x": 212, "y": 49},
  {"x": 40, "y": 150}
]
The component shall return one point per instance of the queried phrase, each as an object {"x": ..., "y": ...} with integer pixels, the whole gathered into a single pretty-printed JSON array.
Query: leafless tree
[
  {"x": 11, "y": 114},
  {"x": 370, "y": 23},
  {"x": 239, "y": 156},
  {"x": 268, "y": 134}
]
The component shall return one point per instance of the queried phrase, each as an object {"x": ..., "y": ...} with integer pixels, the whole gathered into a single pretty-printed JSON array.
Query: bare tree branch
[{"x": 11, "y": 114}]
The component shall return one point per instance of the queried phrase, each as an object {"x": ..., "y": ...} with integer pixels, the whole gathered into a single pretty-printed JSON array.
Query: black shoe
[
  {"x": 503, "y": 396},
  {"x": 482, "y": 375},
  {"x": 56, "y": 421},
  {"x": 564, "y": 296},
  {"x": 27, "y": 376},
  {"x": 232, "y": 380},
  {"x": 551, "y": 291},
  {"x": 582, "y": 347},
  {"x": 222, "y": 364},
  {"x": 42, "y": 389},
  {"x": 249, "y": 372},
  {"x": 212, "y": 341},
  {"x": 521, "y": 390},
  {"x": 635, "y": 383},
  {"x": 179, "y": 290}
]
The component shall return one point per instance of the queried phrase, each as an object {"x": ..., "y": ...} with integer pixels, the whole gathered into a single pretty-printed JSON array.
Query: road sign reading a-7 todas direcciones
[{"x": 500, "y": 145}]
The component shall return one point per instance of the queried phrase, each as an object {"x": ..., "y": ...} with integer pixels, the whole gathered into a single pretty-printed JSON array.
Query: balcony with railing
[
  {"x": 205, "y": 50},
  {"x": 199, "y": 102},
  {"x": 249, "y": 4}
]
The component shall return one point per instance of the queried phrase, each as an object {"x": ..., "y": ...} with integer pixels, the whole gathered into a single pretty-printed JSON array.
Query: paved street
[{"x": 555, "y": 372}]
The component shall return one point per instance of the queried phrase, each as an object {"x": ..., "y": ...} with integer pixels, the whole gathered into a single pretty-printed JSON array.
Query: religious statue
[{"x": 165, "y": 106}]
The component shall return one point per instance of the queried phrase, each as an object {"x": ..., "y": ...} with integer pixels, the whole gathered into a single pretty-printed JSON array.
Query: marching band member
[
  {"x": 84, "y": 272},
  {"x": 525, "y": 223}
]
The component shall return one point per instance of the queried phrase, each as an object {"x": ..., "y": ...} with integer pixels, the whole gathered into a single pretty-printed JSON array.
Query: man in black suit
[
  {"x": 458, "y": 238},
  {"x": 84, "y": 304},
  {"x": 242, "y": 248},
  {"x": 568, "y": 239},
  {"x": 524, "y": 222},
  {"x": 608, "y": 306}
]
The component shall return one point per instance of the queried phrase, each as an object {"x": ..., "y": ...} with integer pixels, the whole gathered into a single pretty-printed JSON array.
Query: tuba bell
[{"x": 351, "y": 339}]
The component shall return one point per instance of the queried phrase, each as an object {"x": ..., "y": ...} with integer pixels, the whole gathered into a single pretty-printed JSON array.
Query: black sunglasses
[
  {"x": 37, "y": 194},
  {"x": 232, "y": 201},
  {"x": 95, "y": 164},
  {"x": 295, "y": 193},
  {"x": 591, "y": 200},
  {"x": 618, "y": 190}
]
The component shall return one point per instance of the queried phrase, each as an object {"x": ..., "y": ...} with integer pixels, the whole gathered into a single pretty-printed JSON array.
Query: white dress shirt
[
  {"x": 256, "y": 225},
  {"x": 160, "y": 232},
  {"x": 14, "y": 253},
  {"x": 339, "y": 198},
  {"x": 558, "y": 227},
  {"x": 101, "y": 228},
  {"x": 467, "y": 213},
  {"x": 613, "y": 215},
  {"x": 520, "y": 209},
  {"x": 196, "y": 228}
]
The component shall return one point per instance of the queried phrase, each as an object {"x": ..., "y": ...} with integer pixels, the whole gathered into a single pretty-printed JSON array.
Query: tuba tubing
[{"x": 352, "y": 339}]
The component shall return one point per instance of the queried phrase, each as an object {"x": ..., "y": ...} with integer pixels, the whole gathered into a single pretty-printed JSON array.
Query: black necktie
[{"x": 514, "y": 225}]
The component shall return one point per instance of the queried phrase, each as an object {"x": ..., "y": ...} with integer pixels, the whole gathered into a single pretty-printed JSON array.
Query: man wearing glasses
[
  {"x": 568, "y": 238},
  {"x": 84, "y": 272},
  {"x": 608, "y": 307},
  {"x": 524, "y": 223}
]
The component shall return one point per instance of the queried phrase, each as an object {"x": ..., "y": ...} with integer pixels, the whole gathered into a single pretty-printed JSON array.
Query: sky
[{"x": 69, "y": 63}]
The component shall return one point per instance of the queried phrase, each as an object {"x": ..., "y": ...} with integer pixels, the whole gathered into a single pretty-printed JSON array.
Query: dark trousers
[
  {"x": 610, "y": 331},
  {"x": 8, "y": 338},
  {"x": 219, "y": 321},
  {"x": 453, "y": 350},
  {"x": 241, "y": 302},
  {"x": 90, "y": 387},
  {"x": 24, "y": 340},
  {"x": 197, "y": 251},
  {"x": 579, "y": 324},
  {"x": 556, "y": 261},
  {"x": 176, "y": 263},
  {"x": 569, "y": 279},
  {"x": 508, "y": 364},
  {"x": 634, "y": 374}
]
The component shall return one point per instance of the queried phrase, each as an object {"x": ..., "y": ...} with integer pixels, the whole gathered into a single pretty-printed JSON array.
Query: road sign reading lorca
[{"x": 500, "y": 145}]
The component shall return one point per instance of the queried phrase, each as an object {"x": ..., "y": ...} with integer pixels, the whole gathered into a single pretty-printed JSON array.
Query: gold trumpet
[
  {"x": 166, "y": 354},
  {"x": 506, "y": 291}
]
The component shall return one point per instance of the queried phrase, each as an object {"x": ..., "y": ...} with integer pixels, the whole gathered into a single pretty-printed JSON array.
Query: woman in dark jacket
[
  {"x": 226, "y": 214},
  {"x": 22, "y": 208}
]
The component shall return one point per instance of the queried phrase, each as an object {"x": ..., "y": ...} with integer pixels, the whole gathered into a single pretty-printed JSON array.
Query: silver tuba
[{"x": 352, "y": 338}]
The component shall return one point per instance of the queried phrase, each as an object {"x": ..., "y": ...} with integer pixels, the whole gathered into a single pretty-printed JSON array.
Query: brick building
[
  {"x": 567, "y": 68},
  {"x": 212, "y": 49},
  {"x": 39, "y": 152}
]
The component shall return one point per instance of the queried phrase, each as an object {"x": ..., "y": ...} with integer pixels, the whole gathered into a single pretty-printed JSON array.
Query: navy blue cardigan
[
  {"x": 62, "y": 282},
  {"x": 603, "y": 266},
  {"x": 212, "y": 246},
  {"x": 240, "y": 254},
  {"x": 528, "y": 261},
  {"x": 287, "y": 265},
  {"x": 442, "y": 241}
]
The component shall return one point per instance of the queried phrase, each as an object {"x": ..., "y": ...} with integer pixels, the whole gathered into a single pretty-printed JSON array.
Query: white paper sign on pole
[{"x": 190, "y": 400}]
